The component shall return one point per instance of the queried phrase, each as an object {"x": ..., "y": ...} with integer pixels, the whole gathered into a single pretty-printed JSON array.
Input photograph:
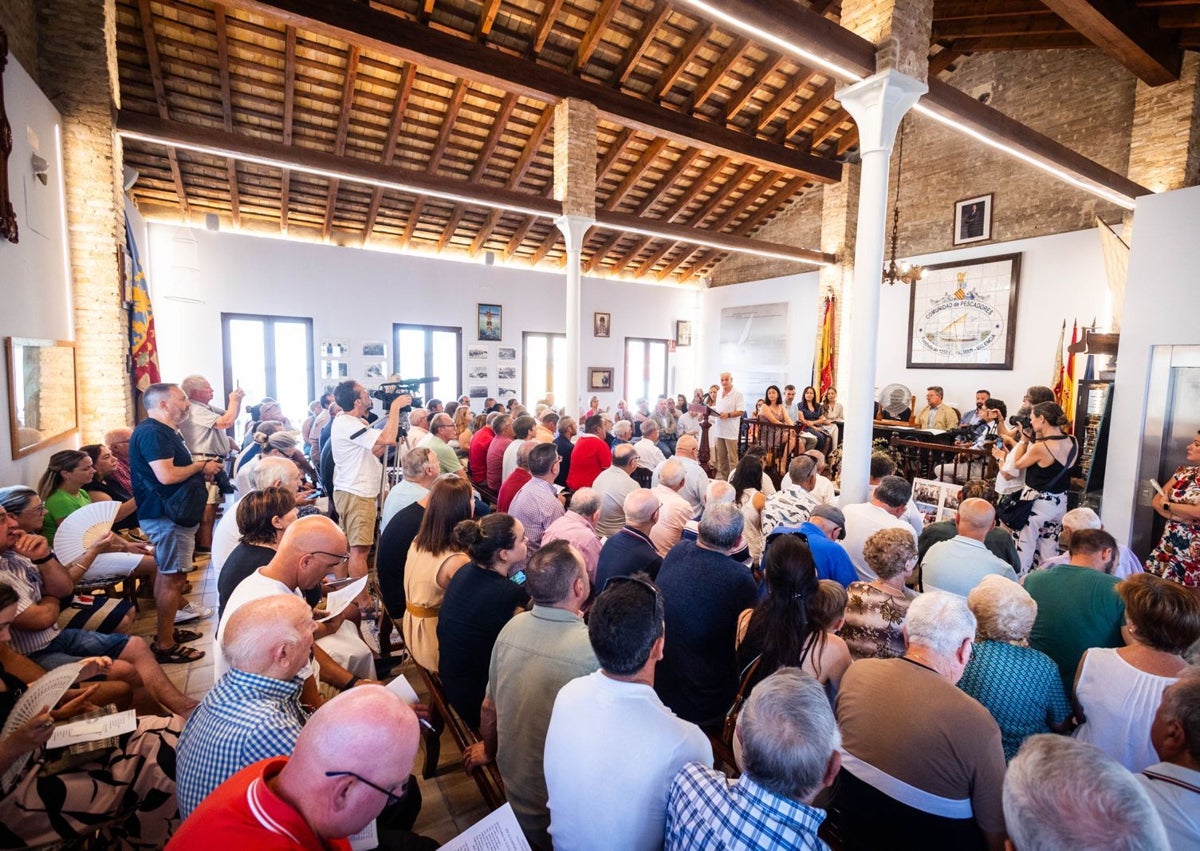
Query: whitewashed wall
[
  {"x": 358, "y": 295},
  {"x": 34, "y": 286}
]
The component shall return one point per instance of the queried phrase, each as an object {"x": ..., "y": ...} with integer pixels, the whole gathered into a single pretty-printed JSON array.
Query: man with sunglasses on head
[
  {"x": 352, "y": 759},
  {"x": 598, "y": 797},
  {"x": 310, "y": 548}
]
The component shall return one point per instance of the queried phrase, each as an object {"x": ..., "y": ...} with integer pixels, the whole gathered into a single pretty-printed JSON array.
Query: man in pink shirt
[{"x": 578, "y": 527}]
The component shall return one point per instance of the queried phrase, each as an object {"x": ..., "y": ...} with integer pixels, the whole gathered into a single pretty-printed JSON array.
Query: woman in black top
[
  {"x": 262, "y": 517},
  {"x": 1047, "y": 461},
  {"x": 104, "y": 488},
  {"x": 479, "y": 601}
]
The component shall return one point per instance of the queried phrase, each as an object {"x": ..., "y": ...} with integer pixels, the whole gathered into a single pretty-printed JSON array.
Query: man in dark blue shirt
[{"x": 630, "y": 550}]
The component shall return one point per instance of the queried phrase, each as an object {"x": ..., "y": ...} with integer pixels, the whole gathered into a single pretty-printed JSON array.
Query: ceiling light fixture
[{"x": 894, "y": 273}]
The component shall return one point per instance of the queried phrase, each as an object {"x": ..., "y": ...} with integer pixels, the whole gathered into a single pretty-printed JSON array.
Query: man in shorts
[
  {"x": 358, "y": 472},
  {"x": 161, "y": 467},
  {"x": 205, "y": 431}
]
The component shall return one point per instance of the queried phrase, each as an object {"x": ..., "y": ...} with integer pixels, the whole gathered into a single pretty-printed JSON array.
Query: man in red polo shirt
[
  {"x": 352, "y": 758},
  {"x": 477, "y": 452},
  {"x": 591, "y": 455}
]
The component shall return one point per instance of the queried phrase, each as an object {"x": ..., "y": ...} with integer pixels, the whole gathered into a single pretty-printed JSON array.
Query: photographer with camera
[
  {"x": 206, "y": 433},
  {"x": 358, "y": 472},
  {"x": 1036, "y": 517}
]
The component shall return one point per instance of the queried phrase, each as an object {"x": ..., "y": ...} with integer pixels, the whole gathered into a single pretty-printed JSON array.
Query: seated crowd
[{"x": 649, "y": 652}]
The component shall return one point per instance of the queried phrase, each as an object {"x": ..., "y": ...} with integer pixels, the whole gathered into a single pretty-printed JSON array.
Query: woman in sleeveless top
[
  {"x": 434, "y": 557},
  {"x": 1046, "y": 462},
  {"x": 746, "y": 481}
]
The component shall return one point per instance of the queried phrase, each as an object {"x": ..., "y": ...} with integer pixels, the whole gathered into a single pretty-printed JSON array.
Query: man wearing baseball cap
[{"x": 823, "y": 529}]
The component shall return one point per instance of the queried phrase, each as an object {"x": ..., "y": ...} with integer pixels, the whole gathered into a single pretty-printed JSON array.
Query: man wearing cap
[{"x": 824, "y": 528}]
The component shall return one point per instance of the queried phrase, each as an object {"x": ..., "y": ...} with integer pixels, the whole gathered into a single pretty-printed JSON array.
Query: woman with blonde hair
[
  {"x": 462, "y": 427},
  {"x": 1019, "y": 685},
  {"x": 875, "y": 613}
]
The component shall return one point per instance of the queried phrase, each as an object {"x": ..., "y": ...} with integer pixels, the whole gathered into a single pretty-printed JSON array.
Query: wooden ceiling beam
[
  {"x": 664, "y": 186},
  {"x": 487, "y": 17},
  {"x": 489, "y": 147},
  {"x": 1179, "y": 18},
  {"x": 634, "y": 174},
  {"x": 631, "y": 255},
  {"x": 1044, "y": 23},
  {"x": 1066, "y": 40},
  {"x": 146, "y": 18},
  {"x": 716, "y": 74},
  {"x": 797, "y": 25},
  {"x": 641, "y": 42},
  {"x": 403, "y": 90},
  {"x": 827, "y": 127},
  {"x": 1127, "y": 34},
  {"x": 380, "y": 31},
  {"x": 613, "y": 152},
  {"x": 289, "y": 111},
  {"x": 435, "y": 158},
  {"x": 595, "y": 31},
  {"x": 528, "y": 155},
  {"x": 542, "y": 250},
  {"x": 601, "y": 251},
  {"x": 785, "y": 96},
  {"x": 688, "y": 251},
  {"x": 953, "y": 10},
  {"x": 339, "y": 146},
  {"x": 807, "y": 110},
  {"x": 697, "y": 266},
  {"x": 235, "y": 211},
  {"x": 682, "y": 58},
  {"x": 518, "y": 237},
  {"x": 542, "y": 31},
  {"x": 746, "y": 91},
  {"x": 943, "y": 60},
  {"x": 749, "y": 196}
]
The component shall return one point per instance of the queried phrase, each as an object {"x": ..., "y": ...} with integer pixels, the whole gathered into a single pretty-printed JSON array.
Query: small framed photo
[
  {"x": 334, "y": 349},
  {"x": 683, "y": 332},
  {"x": 973, "y": 220},
  {"x": 600, "y": 378},
  {"x": 490, "y": 322},
  {"x": 506, "y": 353},
  {"x": 374, "y": 370},
  {"x": 601, "y": 324},
  {"x": 374, "y": 349}
]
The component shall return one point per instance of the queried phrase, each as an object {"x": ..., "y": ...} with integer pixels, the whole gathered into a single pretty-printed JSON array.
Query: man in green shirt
[
  {"x": 1078, "y": 606},
  {"x": 441, "y": 430}
]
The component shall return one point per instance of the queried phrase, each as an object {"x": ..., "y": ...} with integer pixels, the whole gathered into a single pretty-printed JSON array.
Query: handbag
[
  {"x": 186, "y": 505},
  {"x": 732, "y": 715},
  {"x": 1014, "y": 511}
]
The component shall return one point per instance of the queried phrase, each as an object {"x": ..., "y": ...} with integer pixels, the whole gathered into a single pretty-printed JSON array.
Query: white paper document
[
  {"x": 365, "y": 839},
  {"x": 47, "y": 690},
  {"x": 337, "y": 601},
  {"x": 499, "y": 831},
  {"x": 403, "y": 689},
  {"x": 111, "y": 564},
  {"x": 91, "y": 730}
]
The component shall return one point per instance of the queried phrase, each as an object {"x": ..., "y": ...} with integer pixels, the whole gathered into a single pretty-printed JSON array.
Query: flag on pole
[
  {"x": 825, "y": 365},
  {"x": 143, "y": 344},
  {"x": 1068, "y": 394},
  {"x": 1056, "y": 381}
]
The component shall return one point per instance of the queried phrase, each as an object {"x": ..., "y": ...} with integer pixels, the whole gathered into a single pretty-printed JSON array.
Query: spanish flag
[
  {"x": 143, "y": 344},
  {"x": 1056, "y": 381},
  {"x": 1068, "y": 389},
  {"x": 825, "y": 365}
]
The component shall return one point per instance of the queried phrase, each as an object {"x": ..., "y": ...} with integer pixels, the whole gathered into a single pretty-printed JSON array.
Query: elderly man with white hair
[
  {"x": 789, "y": 745},
  {"x": 1174, "y": 783},
  {"x": 578, "y": 528},
  {"x": 630, "y": 550},
  {"x": 421, "y": 469},
  {"x": 254, "y": 711},
  {"x": 695, "y": 480},
  {"x": 675, "y": 511},
  {"x": 1126, "y": 563},
  {"x": 920, "y": 758},
  {"x": 1061, "y": 793},
  {"x": 649, "y": 455},
  {"x": 271, "y": 472}
]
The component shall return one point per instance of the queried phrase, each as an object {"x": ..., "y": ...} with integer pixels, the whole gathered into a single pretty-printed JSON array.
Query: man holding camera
[
  {"x": 358, "y": 472},
  {"x": 205, "y": 431}
]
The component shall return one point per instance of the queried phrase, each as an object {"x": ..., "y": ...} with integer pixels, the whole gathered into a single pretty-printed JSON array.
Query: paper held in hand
[{"x": 337, "y": 601}]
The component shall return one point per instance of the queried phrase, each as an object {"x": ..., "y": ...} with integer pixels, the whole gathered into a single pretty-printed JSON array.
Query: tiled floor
[{"x": 450, "y": 801}]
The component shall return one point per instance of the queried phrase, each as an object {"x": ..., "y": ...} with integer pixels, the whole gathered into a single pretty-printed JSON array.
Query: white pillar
[
  {"x": 574, "y": 229},
  {"x": 877, "y": 105}
]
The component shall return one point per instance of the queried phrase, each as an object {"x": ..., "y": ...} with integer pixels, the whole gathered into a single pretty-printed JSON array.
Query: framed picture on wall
[
  {"x": 490, "y": 325},
  {"x": 601, "y": 324},
  {"x": 600, "y": 378},
  {"x": 963, "y": 315},
  {"x": 683, "y": 332},
  {"x": 973, "y": 220}
]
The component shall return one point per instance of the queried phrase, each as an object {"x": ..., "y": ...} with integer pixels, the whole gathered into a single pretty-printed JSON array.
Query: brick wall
[
  {"x": 1165, "y": 149},
  {"x": 77, "y": 52},
  {"x": 1077, "y": 97},
  {"x": 575, "y": 157},
  {"x": 899, "y": 29},
  {"x": 798, "y": 224},
  {"x": 19, "y": 19}
]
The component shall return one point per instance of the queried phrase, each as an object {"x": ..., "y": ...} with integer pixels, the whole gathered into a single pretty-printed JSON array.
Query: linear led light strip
[
  {"x": 215, "y": 150},
  {"x": 854, "y": 77}
]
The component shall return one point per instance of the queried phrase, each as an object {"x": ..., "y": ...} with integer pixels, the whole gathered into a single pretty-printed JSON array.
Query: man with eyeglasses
[
  {"x": 117, "y": 440},
  {"x": 441, "y": 431},
  {"x": 598, "y": 797},
  {"x": 352, "y": 759},
  {"x": 537, "y": 504},
  {"x": 310, "y": 548}
]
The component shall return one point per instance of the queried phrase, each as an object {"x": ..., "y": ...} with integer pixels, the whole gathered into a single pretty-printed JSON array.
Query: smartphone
[{"x": 518, "y": 577}]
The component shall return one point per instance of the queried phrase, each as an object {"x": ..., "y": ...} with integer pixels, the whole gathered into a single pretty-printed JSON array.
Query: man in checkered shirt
[
  {"x": 789, "y": 752},
  {"x": 253, "y": 712}
]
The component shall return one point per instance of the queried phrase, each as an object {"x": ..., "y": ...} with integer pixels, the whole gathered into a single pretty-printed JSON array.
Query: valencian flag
[
  {"x": 825, "y": 364},
  {"x": 142, "y": 343}
]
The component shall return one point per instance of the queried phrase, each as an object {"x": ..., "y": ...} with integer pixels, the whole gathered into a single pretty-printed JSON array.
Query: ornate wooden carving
[{"x": 8, "y": 216}]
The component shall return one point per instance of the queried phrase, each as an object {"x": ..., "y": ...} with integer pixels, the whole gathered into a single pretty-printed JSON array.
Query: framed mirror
[{"x": 43, "y": 400}]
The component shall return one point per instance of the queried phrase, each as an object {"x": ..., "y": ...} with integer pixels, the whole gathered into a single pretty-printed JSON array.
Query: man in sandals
[{"x": 162, "y": 469}]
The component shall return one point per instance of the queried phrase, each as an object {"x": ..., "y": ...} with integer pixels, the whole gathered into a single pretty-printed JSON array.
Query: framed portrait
[
  {"x": 601, "y": 324},
  {"x": 600, "y": 378},
  {"x": 973, "y": 220},
  {"x": 683, "y": 332},
  {"x": 963, "y": 315},
  {"x": 490, "y": 322}
]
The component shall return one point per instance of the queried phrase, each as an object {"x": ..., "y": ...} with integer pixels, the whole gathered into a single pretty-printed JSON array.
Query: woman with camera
[{"x": 1047, "y": 461}]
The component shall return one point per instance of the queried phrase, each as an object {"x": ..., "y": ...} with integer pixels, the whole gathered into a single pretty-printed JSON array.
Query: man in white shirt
[
  {"x": 794, "y": 503},
  {"x": 885, "y": 510},
  {"x": 1124, "y": 565},
  {"x": 421, "y": 469},
  {"x": 675, "y": 512},
  {"x": 358, "y": 472},
  {"x": 729, "y": 407},
  {"x": 418, "y": 426},
  {"x": 649, "y": 455},
  {"x": 959, "y": 564},
  {"x": 599, "y": 798},
  {"x": 823, "y": 490},
  {"x": 695, "y": 480},
  {"x": 1174, "y": 784}
]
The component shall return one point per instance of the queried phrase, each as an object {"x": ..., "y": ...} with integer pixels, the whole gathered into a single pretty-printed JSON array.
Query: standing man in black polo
[{"x": 171, "y": 495}]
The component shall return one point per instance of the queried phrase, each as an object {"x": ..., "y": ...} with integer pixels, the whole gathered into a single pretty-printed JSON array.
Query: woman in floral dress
[{"x": 1177, "y": 556}]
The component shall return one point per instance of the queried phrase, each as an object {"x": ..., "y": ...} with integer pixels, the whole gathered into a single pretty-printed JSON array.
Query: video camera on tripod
[{"x": 387, "y": 391}]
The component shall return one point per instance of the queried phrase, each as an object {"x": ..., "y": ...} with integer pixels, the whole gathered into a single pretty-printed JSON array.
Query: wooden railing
[
  {"x": 949, "y": 462},
  {"x": 781, "y": 443}
]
